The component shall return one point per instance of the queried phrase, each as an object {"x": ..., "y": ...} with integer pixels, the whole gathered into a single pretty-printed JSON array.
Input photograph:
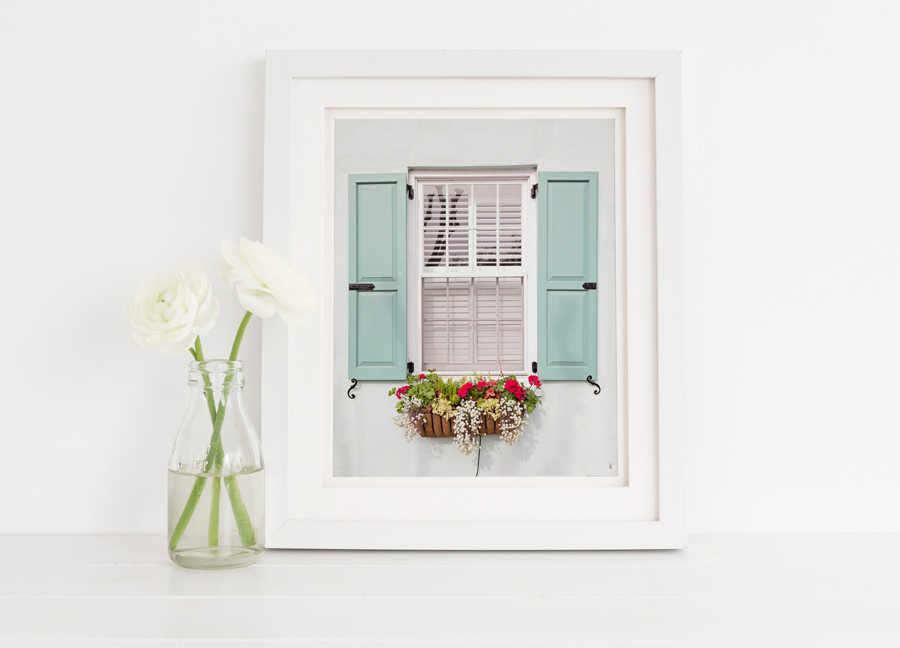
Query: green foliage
[
  {"x": 488, "y": 405},
  {"x": 442, "y": 407},
  {"x": 440, "y": 394}
]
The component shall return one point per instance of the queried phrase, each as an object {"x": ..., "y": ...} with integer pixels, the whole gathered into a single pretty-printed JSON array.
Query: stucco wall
[{"x": 574, "y": 432}]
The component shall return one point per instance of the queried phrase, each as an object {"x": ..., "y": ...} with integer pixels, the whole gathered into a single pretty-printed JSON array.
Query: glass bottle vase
[{"x": 216, "y": 474}]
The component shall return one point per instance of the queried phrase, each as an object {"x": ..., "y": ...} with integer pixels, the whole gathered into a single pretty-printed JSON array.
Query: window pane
[
  {"x": 498, "y": 224},
  {"x": 486, "y": 224},
  {"x": 500, "y": 331},
  {"x": 445, "y": 225},
  {"x": 434, "y": 224},
  {"x": 446, "y": 322},
  {"x": 473, "y": 324},
  {"x": 458, "y": 225}
]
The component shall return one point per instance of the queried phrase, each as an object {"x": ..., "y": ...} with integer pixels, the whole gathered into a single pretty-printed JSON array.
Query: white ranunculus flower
[
  {"x": 267, "y": 284},
  {"x": 170, "y": 310}
]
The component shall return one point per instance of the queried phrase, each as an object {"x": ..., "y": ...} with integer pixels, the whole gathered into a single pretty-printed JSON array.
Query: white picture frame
[{"x": 305, "y": 506}]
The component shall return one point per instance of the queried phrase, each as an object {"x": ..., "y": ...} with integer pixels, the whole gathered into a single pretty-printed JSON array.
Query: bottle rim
[
  {"x": 216, "y": 374},
  {"x": 216, "y": 366}
]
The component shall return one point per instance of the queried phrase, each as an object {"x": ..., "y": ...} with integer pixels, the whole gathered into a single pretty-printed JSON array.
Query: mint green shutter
[
  {"x": 377, "y": 334},
  {"x": 567, "y": 259}
]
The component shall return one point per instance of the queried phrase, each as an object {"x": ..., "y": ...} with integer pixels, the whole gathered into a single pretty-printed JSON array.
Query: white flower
[
  {"x": 170, "y": 310},
  {"x": 266, "y": 284}
]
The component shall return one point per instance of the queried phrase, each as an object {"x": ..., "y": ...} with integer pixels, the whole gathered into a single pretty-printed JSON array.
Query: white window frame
[{"x": 416, "y": 258}]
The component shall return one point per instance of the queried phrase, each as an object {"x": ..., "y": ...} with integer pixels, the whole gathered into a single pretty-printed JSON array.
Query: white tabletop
[{"x": 722, "y": 591}]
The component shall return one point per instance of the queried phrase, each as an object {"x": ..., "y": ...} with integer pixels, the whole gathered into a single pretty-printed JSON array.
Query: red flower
[
  {"x": 464, "y": 390},
  {"x": 481, "y": 384},
  {"x": 402, "y": 390},
  {"x": 490, "y": 393},
  {"x": 534, "y": 381},
  {"x": 421, "y": 376},
  {"x": 514, "y": 388}
]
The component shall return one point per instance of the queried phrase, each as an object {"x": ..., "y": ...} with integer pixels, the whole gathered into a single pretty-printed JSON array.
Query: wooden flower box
[{"x": 436, "y": 426}]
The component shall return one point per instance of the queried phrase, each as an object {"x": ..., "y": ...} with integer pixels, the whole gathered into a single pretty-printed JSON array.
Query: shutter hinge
[
  {"x": 589, "y": 285},
  {"x": 534, "y": 191},
  {"x": 362, "y": 286},
  {"x": 534, "y": 367},
  {"x": 409, "y": 191},
  {"x": 410, "y": 367}
]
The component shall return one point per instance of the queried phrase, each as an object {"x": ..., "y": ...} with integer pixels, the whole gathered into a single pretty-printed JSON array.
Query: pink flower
[
  {"x": 514, "y": 388},
  {"x": 534, "y": 381},
  {"x": 421, "y": 376},
  {"x": 490, "y": 393},
  {"x": 464, "y": 390},
  {"x": 481, "y": 384},
  {"x": 402, "y": 390}
]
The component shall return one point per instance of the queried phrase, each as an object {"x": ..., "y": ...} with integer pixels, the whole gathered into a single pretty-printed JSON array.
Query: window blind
[
  {"x": 473, "y": 322},
  {"x": 472, "y": 225},
  {"x": 472, "y": 283}
]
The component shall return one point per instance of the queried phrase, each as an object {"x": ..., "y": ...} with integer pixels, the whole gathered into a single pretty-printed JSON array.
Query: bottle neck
[{"x": 217, "y": 375}]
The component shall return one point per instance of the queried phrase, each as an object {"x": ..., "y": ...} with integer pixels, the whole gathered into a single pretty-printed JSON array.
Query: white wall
[{"x": 131, "y": 141}]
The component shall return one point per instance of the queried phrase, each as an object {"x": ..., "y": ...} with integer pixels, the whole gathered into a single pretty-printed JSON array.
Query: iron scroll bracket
[
  {"x": 590, "y": 379},
  {"x": 354, "y": 383}
]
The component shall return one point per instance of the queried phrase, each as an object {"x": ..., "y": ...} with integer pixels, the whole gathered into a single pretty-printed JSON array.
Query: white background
[{"x": 131, "y": 141}]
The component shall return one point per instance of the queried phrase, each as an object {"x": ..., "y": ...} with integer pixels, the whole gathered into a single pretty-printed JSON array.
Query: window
[
  {"x": 471, "y": 277},
  {"x": 472, "y": 273}
]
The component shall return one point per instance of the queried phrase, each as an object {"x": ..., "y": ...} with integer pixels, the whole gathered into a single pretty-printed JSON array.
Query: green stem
[
  {"x": 241, "y": 516},
  {"x": 188, "y": 512},
  {"x": 216, "y": 493},
  {"x": 210, "y": 398},
  {"x": 239, "y": 336},
  {"x": 214, "y": 459}
]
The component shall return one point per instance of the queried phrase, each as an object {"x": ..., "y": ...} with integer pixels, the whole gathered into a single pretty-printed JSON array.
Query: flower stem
[
  {"x": 239, "y": 336},
  {"x": 216, "y": 493},
  {"x": 241, "y": 516},
  {"x": 214, "y": 459},
  {"x": 210, "y": 399},
  {"x": 188, "y": 512}
]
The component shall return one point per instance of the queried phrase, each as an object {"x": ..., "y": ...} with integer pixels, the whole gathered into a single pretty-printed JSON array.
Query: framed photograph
[{"x": 497, "y": 360}]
